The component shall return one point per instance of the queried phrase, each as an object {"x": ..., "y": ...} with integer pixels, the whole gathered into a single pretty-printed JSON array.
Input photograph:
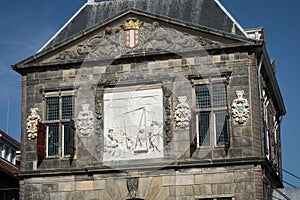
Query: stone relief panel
[
  {"x": 32, "y": 124},
  {"x": 240, "y": 108},
  {"x": 133, "y": 125}
]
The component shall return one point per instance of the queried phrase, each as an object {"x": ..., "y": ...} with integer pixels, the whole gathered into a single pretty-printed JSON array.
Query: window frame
[
  {"x": 60, "y": 122},
  {"x": 211, "y": 110}
]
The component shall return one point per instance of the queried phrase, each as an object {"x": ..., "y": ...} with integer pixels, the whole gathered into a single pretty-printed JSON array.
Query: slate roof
[{"x": 207, "y": 13}]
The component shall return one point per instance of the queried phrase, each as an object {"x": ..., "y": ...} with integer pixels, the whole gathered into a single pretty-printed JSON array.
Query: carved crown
[{"x": 132, "y": 23}]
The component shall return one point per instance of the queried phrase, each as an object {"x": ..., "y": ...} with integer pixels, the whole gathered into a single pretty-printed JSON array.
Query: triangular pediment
[{"x": 133, "y": 33}]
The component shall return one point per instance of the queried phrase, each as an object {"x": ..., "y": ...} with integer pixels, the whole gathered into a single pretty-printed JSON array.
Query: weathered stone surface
[
  {"x": 84, "y": 185},
  {"x": 168, "y": 180},
  {"x": 144, "y": 183},
  {"x": 185, "y": 180},
  {"x": 99, "y": 184},
  {"x": 47, "y": 188},
  {"x": 112, "y": 190},
  {"x": 163, "y": 193},
  {"x": 66, "y": 186},
  {"x": 155, "y": 186},
  {"x": 104, "y": 195}
]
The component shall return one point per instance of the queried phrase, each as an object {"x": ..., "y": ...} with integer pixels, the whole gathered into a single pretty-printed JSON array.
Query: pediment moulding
[{"x": 132, "y": 36}]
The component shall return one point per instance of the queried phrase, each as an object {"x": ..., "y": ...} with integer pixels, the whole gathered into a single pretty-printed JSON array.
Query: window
[
  {"x": 7, "y": 153},
  {"x": 211, "y": 114},
  {"x": 59, "y": 114},
  {"x": 1, "y": 150}
]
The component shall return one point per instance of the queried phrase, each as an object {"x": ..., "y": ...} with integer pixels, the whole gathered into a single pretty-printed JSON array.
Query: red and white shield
[{"x": 132, "y": 38}]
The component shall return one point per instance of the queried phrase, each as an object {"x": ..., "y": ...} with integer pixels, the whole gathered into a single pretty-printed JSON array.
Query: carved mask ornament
[
  {"x": 182, "y": 113},
  {"x": 32, "y": 124},
  {"x": 240, "y": 108},
  {"x": 85, "y": 120}
]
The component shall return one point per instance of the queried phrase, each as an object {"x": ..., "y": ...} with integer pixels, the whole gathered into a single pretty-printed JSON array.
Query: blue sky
[{"x": 25, "y": 26}]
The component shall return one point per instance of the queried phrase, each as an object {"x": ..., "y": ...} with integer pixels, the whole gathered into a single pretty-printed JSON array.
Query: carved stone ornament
[
  {"x": 240, "y": 108},
  {"x": 134, "y": 36},
  {"x": 132, "y": 186},
  {"x": 133, "y": 125},
  {"x": 32, "y": 124},
  {"x": 85, "y": 120},
  {"x": 182, "y": 113}
]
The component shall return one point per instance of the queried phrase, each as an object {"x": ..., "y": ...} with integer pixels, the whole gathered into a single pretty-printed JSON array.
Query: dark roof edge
[
  {"x": 231, "y": 18},
  {"x": 273, "y": 82},
  {"x": 64, "y": 26}
]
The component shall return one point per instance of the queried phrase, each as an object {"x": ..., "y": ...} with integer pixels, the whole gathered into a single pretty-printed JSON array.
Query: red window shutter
[
  {"x": 72, "y": 139},
  {"x": 41, "y": 139},
  {"x": 194, "y": 129}
]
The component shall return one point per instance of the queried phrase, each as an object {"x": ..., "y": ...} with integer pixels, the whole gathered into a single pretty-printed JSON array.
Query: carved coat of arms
[
  {"x": 132, "y": 36},
  {"x": 85, "y": 120},
  {"x": 240, "y": 108},
  {"x": 182, "y": 113},
  {"x": 32, "y": 124}
]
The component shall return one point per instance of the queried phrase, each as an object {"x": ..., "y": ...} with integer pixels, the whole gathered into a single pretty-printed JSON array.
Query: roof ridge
[
  {"x": 63, "y": 27},
  {"x": 95, "y": 12},
  {"x": 231, "y": 18}
]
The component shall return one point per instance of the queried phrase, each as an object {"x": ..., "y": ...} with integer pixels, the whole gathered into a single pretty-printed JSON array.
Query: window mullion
[
  {"x": 60, "y": 153},
  {"x": 212, "y": 116},
  {"x": 213, "y": 129}
]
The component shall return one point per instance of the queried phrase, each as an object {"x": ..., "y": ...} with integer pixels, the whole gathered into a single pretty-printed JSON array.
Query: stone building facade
[{"x": 140, "y": 99}]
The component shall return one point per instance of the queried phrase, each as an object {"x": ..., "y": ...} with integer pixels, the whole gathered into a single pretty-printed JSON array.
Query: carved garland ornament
[
  {"x": 182, "y": 113},
  {"x": 85, "y": 120},
  {"x": 240, "y": 108},
  {"x": 32, "y": 123},
  {"x": 136, "y": 37}
]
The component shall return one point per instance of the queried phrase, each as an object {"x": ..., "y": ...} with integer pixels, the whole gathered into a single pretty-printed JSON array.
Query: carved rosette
[
  {"x": 240, "y": 108},
  {"x": 182, "y": 113},
  {"x": 85, "y": 121},
  {"x": 32, "y": 124}
]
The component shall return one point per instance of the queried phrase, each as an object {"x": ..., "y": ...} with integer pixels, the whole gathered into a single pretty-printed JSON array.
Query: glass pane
[
  {"x": 219, "y": 95},
  {"x": 204, "y": 129},
  {"x": 53, "y": 139},
  {"x": 202, "y": 97},
  {"x": 221, "y": 128},
  {"x": 67, "y": 107},
  {"x": 52, "y": 108},
  {"x": 67, "y": 138}
]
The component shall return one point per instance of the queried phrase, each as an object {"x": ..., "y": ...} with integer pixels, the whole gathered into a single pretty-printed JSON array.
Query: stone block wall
[
  {"x": 239, "y": 69},
  {"x": 185, "y": 184}
]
